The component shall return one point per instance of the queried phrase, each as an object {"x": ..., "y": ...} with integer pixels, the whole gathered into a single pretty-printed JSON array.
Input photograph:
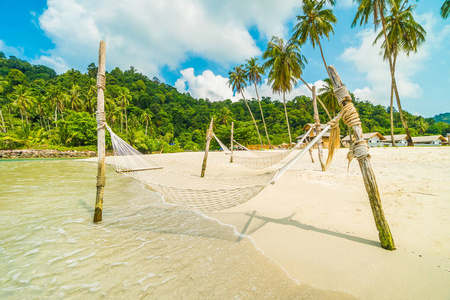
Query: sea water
[{"x": 143, "y": 249}]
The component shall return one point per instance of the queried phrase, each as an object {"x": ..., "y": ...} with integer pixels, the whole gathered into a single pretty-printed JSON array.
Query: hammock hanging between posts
[
  {"x": 260, "y": 159},
  {"x": 202, "y": 194}
]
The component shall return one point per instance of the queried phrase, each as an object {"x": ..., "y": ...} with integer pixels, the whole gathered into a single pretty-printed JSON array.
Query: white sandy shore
[{"x": 319, "y": 225}]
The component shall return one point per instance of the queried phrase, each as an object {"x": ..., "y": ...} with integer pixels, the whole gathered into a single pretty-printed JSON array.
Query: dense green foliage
[{"x": 40, "y": 109}]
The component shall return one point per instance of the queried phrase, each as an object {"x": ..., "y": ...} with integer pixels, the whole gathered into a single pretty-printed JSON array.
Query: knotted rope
[
  {"x": 101, "y": 81},
  {"x": 101, "y": 119},
  {"x": 350, "y": 116}
]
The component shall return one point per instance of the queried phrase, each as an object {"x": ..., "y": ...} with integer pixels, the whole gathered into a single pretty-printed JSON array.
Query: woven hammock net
[
  {"x": 260, "y": 159},
  {"x": 202, "y": 194}
]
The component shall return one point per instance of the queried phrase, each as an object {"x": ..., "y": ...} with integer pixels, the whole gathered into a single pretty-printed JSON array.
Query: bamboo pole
[
  {"x": 361, "y": 152},
  {"x": 101, "y": 122},
  {"x": 209, "y": 134},
  {"x": 317, "y": 127},
  {"x": 232, "y": 136}
]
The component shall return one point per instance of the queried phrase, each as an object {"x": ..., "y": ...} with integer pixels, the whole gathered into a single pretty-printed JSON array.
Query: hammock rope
[
  {"x": 261, "y": 159},
  {"x": 202, "y": 194}
]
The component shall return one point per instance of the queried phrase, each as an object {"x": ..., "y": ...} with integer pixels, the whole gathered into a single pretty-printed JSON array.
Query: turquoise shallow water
[{"x": 144, "y": 248}]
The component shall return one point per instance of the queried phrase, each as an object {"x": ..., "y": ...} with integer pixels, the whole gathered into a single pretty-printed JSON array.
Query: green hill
[
  {"x": 445, "y": 117},
  {"x": 40, "y": 109}
]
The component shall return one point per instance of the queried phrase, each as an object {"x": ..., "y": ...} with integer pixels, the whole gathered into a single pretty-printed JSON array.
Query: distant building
[
  {"x": 399, "y": 139},
  {"x": 431, "y": 140},
  {"x": 373, "y": 139},
  {"x": 325, "y": 136}
]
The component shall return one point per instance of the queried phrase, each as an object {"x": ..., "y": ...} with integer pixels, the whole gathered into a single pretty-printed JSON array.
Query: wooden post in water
[
  {"x": 232, "y": 137},
  {"x": 317, "y": 127},
  {"x": 209, "y": 134},
  {"x": 361, "y": 152},
  {"x": 101, "y": 123}
]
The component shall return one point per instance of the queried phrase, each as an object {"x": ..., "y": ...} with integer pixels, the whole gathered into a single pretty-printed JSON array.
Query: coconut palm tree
[
  {"x": 237, "y": 81},
  {"x": 74, "y": 98},
  {"x": 315, "y": 23},
  {"x": 124, "y": 98},
  {"x": 329, "y": 99},
  {"x": 146, "y": 117},
  {"x": 404, "y": 35},
  {"x": 22, "y": 99},
  {"x": 2, "y": 84},
  {"x": 445, "y": 9},
  {"x": 377, "y": 9},
  {"x": 285, "y": 63},
  {"x": 254, "y": 72},
  {"x": 56, "y": 96}
]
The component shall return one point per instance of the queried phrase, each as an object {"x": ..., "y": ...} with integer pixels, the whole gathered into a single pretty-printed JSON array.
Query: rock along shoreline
[{"x": 30, "y": 153}]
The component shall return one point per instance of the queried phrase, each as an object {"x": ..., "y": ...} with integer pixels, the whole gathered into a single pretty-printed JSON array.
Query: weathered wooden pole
[
  {"x": 232, "y": 136},
  {"x": 209, "y": 136},
  {"x": 101, "y": 123},
  {"x": 317, "y": 127},
  {"x": 361, "y": 152}
]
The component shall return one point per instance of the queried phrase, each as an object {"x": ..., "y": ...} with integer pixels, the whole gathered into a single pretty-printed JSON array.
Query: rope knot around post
[
  {"x": 101, "y": 120},
  {"x": 209, "y": 134},
  {"x": 360, "y": 150},
  {"x": 101, "y": 81}
]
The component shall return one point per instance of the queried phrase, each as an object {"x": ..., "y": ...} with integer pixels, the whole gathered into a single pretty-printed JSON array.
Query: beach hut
[
  {"x": 325, "y": 136},
  {"x": 373, "y": 139},
  {"x": 400, "y": 140},
  {"x": 431, "y": 140}
]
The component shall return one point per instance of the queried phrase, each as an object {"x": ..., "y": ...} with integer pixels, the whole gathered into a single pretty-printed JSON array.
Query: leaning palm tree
[
  {"x": 285, "y": 63},
  {"x": 254, "y": 72},
  {"x": 329, "y": 99},
  {"x": 237, "y": 81},
  {"x": 315, "y": 23},
  {"x": 404, "y": 35},
  {"x": 377, "y": 9},
  {"x": 445, "y": 9}
]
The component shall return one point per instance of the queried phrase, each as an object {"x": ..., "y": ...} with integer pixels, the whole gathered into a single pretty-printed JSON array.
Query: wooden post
[
  {"x": 361, "y": 152},
  {"x": 317, "y": 127},
  {"x": 208, "y": 141},
  {"x": 232, "y": 137},
  {"x": 101, "y": 123}
]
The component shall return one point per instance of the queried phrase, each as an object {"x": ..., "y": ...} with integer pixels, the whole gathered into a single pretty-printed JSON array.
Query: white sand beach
[{"x": 319, "y": 226}]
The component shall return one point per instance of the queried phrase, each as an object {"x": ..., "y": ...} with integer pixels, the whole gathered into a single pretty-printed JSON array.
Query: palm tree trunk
[
  {"x": 320, "y": 101},
  {"x": 392, "y": 68},
  {"x": 126, "y": 121},
  {"x": 3, "y": 122},
  {"x": 253, "y": 118},
  {"x": 287, "y": 119},
  {"x": 146, "y": 126},
  {"x": 56, "y": 116},
  {"x": 262, "y": 116},
  {"x": 392, "y": 116},
  {"x": 321, "y": 51}
]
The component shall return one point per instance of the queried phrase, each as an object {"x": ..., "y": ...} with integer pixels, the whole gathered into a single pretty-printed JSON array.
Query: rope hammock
[
  {"x": 260, "y": 159},
  {"x": 203, "y": 194}
]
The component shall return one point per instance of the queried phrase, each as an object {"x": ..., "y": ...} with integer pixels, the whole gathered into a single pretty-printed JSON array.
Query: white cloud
[
  {"x": 367, "y": 59},
  {"x": 215, "y": 87},
  {"x": 345, "y": 3},
  {"x": 10, "y": 51},
  {"x": 206, "y": 85},
  {"x": 150, "y": 34},
  {"x": 56, "y": 63}
]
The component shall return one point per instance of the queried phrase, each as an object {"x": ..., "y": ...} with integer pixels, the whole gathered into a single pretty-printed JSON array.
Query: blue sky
[{"x": 192, "y": 44}]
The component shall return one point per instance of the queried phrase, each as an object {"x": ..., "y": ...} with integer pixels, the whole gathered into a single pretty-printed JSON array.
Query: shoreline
[{"x": 40, "y": 154}]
